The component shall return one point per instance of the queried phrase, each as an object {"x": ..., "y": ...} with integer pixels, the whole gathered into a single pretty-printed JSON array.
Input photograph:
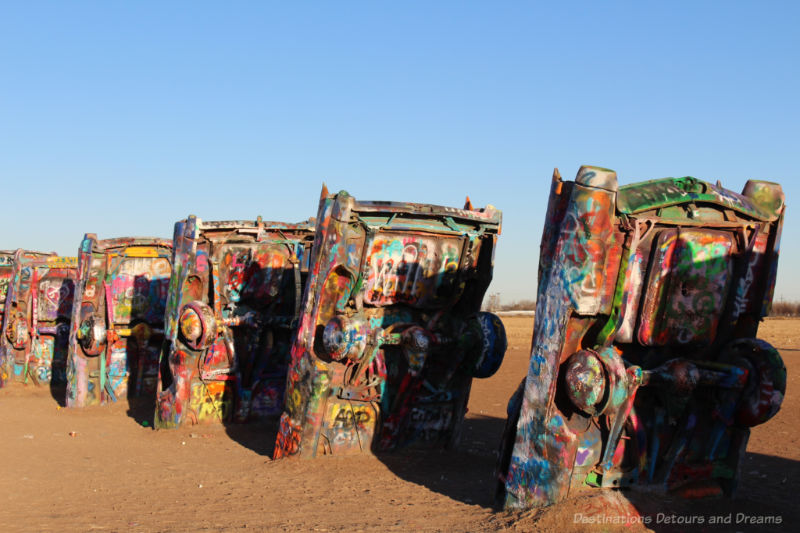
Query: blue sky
[{"x": 121, "y": 118}]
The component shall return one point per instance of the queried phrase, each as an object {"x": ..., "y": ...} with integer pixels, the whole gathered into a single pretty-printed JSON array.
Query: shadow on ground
[
  {"x": 766, "y": 501},
  {"x": 59, "y": 393},
  {"x": 142, "y": 410},
  {"x": 466, "y": 473},
  {"x": 257, "y": 436}
]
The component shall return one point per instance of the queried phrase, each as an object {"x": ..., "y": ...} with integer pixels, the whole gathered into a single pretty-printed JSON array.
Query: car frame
[
  {"x": 646, "y": 370},
  {"x": 232, "y": 309},
  {"x": 391, "y": 334},
  {"x": 6, "y": 275},
  {"x": 37, "y": 311},
  {"x": 132, "y": 274}
]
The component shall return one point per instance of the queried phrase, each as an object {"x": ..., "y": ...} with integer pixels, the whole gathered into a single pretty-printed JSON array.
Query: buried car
[
  {"x": 6, "y": 273},
  {"x": 233, "y": 305},
  {"x": 645, "y": 368},
  {"x": 391, "y": 334},
  {"x": 117, "y": 319},
  {"x": 38, "y": 308}
]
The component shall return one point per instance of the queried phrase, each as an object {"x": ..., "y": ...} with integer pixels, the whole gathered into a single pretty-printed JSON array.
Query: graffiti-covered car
[
  {"x": 6, "y": 272},
  {"x": 391, "y": 334},
  {"x": 233, "y": 306},
  {"x": 38, "y": 308},
  {"x": 117, "y": 318},
  {"x": 645, "y": 368}
]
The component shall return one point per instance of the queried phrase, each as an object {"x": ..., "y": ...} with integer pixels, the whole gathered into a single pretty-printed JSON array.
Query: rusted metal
[
  {"x": 117, "y": 319},
  {"x": 36, "y": 313},
  {"x": 390, "y": 335},
  {"x": 645, "y": 367},
  {"x": 233, "y": 306}
]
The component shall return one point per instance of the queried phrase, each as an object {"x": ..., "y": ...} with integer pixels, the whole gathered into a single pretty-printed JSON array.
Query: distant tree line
[
  {"x": 784, "y": 308},
  {"x": 492, "y": 303}
]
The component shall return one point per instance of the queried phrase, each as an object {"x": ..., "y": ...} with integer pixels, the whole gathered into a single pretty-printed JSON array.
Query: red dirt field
[{"x": 115, "y": 474}]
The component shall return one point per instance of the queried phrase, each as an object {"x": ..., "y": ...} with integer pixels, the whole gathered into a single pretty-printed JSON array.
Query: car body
[
  {"x": 390, "y": 335},
  {"x": 233, "y": 306},
  {"x": 645, "y": 368},
  {"x": 6, "y": 274},
  {"x": 38, "y": 308},
  {"x": 117, "y": 319}
]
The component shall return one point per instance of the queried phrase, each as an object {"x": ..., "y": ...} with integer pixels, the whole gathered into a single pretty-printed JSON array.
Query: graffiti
[
  {"x": 232, "y": 305},
  {"x": 237, "y": 265},
  {"x": 56, "y": 297},
  {"x": 139, "y": 288},
  {"x": 117, "y": 318},
  {"x": 430, "y": 423},
  {"x": 657, "y": 364},
  {"x": 4, "y": 281},
  {"x": 745, "y": 286},
  {"x": 349, "y": 417},
  {"x": 35, "y": 312},
  {"x": 390, "y": 324},
  {"x": 410, "y": 270},
  {"x": 632, "y": 296},
  {"x": 689, "y": 310},
  {"x": 288, "y": 443},
  {"x": 267, "y": 400},
  {"x": 350, "y": 427},
  {"x": 209, "y": 401}
]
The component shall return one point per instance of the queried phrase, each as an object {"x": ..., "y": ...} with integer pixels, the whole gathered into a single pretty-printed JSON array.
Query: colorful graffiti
[
  {"x": 232, "y": 308},
  {"x": 6, "y": 274},
  {"x": 645, "y": 369},
  {"x": 117, "y": 320},
  {"x": 36, "y": 312},
  {"x": 390, "y": 332}
]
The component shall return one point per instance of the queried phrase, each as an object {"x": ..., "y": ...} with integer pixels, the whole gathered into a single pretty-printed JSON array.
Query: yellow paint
[
  {"x": 209, "y": 401},
  {"x": 294, "y": 400},
  {"x": 141, "y": 251},
  {"x": 350, "y": 416},
  {"x": 68, "y": 262}
]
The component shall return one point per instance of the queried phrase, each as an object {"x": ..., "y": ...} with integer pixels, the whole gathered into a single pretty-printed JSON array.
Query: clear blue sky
[{"x": 121, "y": 118}]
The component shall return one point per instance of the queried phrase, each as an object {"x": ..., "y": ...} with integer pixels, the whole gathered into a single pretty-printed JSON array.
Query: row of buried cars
[{"x": 360, "y": 330}]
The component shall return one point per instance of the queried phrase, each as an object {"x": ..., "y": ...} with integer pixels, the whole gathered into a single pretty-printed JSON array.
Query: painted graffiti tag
[{"x": 410, "y": 270}]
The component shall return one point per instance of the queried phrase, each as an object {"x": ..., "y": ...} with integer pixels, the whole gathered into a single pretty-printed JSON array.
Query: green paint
[
  {"x": 666, "y": 192},
  {"x": 606, "y": 335}
]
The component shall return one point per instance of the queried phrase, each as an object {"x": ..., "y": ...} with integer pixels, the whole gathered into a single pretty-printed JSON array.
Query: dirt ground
[{"x": 104, "y": 468}]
